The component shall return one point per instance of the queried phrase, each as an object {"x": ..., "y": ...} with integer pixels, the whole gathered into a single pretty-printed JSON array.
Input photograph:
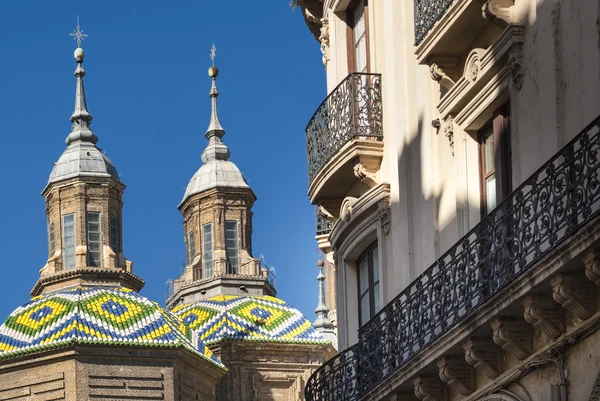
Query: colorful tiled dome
[
  {"x": 248, "y": 318},
  {"x": 95, "y": 315}
]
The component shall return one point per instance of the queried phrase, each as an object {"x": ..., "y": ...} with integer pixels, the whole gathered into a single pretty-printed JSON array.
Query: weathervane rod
[{"x": 213, "y": 53}]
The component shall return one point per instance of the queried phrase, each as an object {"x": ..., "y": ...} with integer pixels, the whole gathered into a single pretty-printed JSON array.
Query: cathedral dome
[
  {"x": 247, "y": 318},
  {"x": 215, "y": 174},
  {"x": 95, "y": 315},
  {"x": 82, "y": 159}
]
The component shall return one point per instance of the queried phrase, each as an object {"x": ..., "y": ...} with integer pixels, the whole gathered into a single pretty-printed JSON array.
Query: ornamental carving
[
  {"x": 456, "y": 374},
  {"x": 574, "y": 294},
  {"x": 439, "y": 75},
  {"x": 495, "y": 10},
  {"x": 429, "y": 389},
  {"x": 383, "y": 212},
  {"x": 542, "y": 315},
  {"x": 473, "y": 65},
  {"x": 515, "y": 66},
  {"x": 447, "y": 127},
  {"x": 346, "y": 208},
  {"x": 324, "y": 40},
  {"x": 592, "y": 266}
]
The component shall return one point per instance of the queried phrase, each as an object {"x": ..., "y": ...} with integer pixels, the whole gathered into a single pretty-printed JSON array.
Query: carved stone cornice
[
  {"x": 592, "y": 266},
  {"x": 483, "y": 356},
  {"x": 456, "y": 373},
  {"x": 495, "y": 10},
  {"x": 575, "y": 294},
  {"x": 542, "y": 315},
  {"x": 513, "y": 336},
  {"x": 429, "y": 389}
]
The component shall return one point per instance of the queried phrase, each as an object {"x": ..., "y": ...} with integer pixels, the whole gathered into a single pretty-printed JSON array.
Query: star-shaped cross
[{"x": 78, "y": 34}]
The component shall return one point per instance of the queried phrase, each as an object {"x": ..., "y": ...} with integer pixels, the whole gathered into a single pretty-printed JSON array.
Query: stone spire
[
  {"x": 322, "y": 323},
  {"x": 81, "y": 117},
  {"x": 216, "y": 149}
]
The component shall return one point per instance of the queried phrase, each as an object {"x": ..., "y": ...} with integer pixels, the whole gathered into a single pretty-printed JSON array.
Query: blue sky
[{"x": 147, "y": 88}]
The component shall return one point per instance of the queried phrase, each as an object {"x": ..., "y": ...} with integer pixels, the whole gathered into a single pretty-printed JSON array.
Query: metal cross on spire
[
  {"x": 213, "y": 53},
  {"x": 78, "y": 34}
]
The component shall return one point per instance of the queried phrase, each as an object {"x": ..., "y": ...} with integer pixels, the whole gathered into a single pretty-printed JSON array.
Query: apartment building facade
[{"x": 454, "y": 165}]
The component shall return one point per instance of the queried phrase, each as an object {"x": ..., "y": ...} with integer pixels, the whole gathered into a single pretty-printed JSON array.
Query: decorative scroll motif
[
  {"x": 324, "y": 225},
  {"x": 543, "y": 315},
  {"x": 547, "y": 209},
  {"x": 429, "y": 389},
  {"x": 383, "y": 211},
  {"x": 497, "y": 9},
  {"x": 515, "y": 63},
  {"x": 353, "y": 110},
  {"x": 439, "y": 75},
  {"x": 473, "y": 64},
  {"x": 574, "y": 294},
  {"x": 337, "y": 379}
]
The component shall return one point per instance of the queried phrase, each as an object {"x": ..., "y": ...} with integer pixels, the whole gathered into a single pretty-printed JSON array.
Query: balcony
[
  {"x": 544, "y": 226},
  {"x": 344, "y": 140},
  {"x": 447, "y": 29}
]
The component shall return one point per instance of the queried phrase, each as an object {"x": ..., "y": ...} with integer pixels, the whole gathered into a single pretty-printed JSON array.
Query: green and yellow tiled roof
[
  {"x": 248, "y": 318},
  {"x": 95, "y": 315}
]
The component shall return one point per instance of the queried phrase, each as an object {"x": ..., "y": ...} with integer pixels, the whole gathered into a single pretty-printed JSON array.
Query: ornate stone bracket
[
  {"x": 362, "y": 173},
  {"x": 383, "y": 211},
  {"x": 515, "y": 66},
  {"x": 498, "y": 11},
  {"x": 592, "y": 266},
  {"x": 447, "y": 127},
  {"x": 438, "y": 75},
  {"x": 513, "y": 336},
  {"x": 483, "y": 356},
  {"x": 324, "y": 40},
  {"x": 456, "y": 374},
  {"x": 542, "y": 315},
  {"x": 429, "y": 389},
  {"x": 574, "y": 294}
]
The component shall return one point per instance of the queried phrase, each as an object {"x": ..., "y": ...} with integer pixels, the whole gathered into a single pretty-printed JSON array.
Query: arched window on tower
[{"x": 231, "y": 246}]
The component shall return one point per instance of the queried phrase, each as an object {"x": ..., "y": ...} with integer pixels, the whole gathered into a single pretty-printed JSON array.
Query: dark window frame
[
  {"x": 351, "y": 45},
  {"x": 370, "y": 290},
  {"x": 499, "y": 127},
  {"x": 94, "y": 257}
]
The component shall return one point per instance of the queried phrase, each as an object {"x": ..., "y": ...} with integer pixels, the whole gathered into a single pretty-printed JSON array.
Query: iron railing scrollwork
[
  {"x": 352, "y": 110},
  {"x": 324, "y": 225},
  {"x": 548, "y": 208},
  {"x": 427, "y": 13},
  {"x": 336, "y": 379}
]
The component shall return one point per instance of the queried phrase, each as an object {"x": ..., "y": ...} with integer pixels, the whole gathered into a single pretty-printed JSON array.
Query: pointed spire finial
[
  {"x": 322, "y": 323},
  {"x": 214, "y": 127},
  {"x": 81, "y": 117}
]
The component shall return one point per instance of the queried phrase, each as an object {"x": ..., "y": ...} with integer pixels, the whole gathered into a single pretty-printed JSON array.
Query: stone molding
[
  {"x": 483, "y": 356},
  {"x": 543, "y": 315},
  {"x": 429, "y": 389},
  {"x": 513, "y": 336},
  {"x": 456, "y": 374},
  {"x": 575, "y": 294}
]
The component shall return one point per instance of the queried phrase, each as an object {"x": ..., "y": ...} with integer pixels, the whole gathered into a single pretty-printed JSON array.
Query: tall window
[
  {"x": 94, "y": 244},
  {"x": 494, "y": 139},
  {"x": 69, "y": 241},
  {"x": 51, "y": 243},
  {"x": 191, "y": 247},
  {"x": 368, "y": 284},
  {"x": 231, "y": 246},
  {"x": 358, "y": 39},
  {"x": 207, "y": 251},
  {"x": 114, "y": 234}
]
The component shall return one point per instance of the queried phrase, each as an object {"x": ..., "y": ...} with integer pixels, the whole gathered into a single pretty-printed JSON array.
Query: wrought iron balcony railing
[
  {"x": 351, "y": 111},
  {"x": 427, "y": 13},
  {"x": 547, "y": 209},
  {"x": 324, "y": 225}
]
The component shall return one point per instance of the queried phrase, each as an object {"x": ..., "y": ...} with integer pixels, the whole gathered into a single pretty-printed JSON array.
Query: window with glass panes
[
  {"x": 231, "y": 246},
  {"x": 368, "y": 284},
  {"x": 358, "y": 38},
  {"x": 494, "y": 142},
  {"x": 114, "y": 234},
  {"x": 51, "y": 243},
  {"x": 207, "y": 249},
  {"x": 68, "y": 234},
  {"x": 94, "y": 245},
  {"x": 191, "y": 247}
]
